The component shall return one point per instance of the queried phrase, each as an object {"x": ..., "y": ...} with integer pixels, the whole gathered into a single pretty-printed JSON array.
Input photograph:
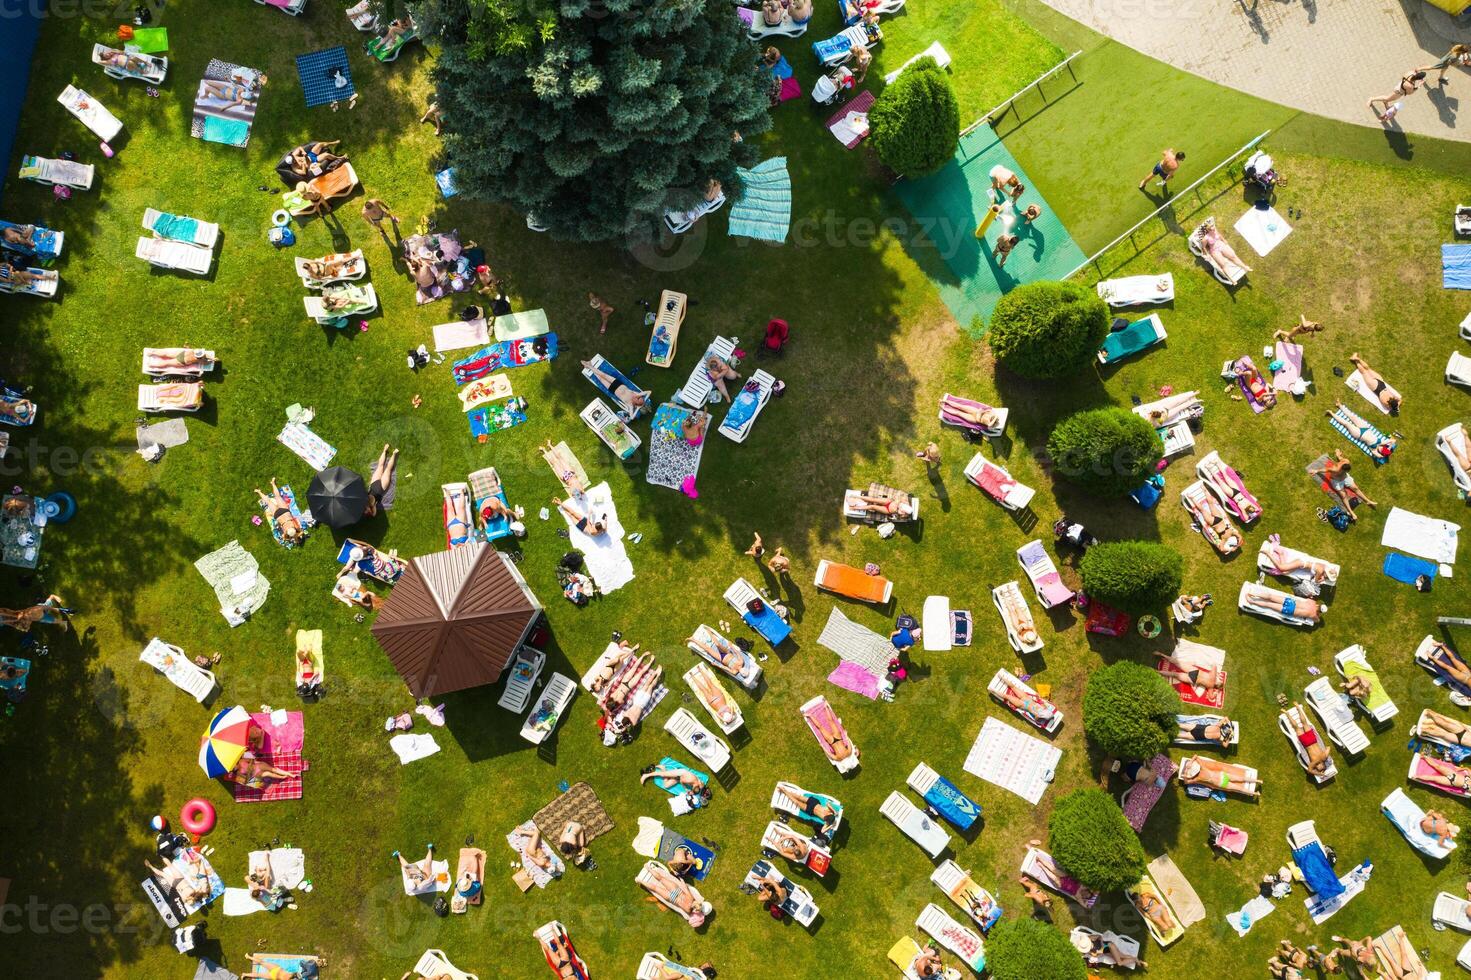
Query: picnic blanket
[
  {"x": 461, "y": 334},
  {"x": 305, "y": 443},
  {"x": 849, "y": 125},
  {"x": 578, "y": 803},
  {"x": 1177, "y": 891},
  {"x": 1455, "y": 266},
  {"x": 856, "y": 644},
  {"x": 1143, "y": 796},
  {"x": 496, "y": 418},
  {"x": 325, "y": 76},
  {"x": 764, "y": 210},
  {"x": 856, "y": 678},
  {"x": 672, "y": 460},
  {"x": 285, "y": 734},
  {"x": 502, "y": 355},
  {"x": 225, "y": 104},
  {"x": 236, "y": 579},
  {"x": 412, "y": 748},
  {"x": 1012, "y": 759},
  {"x": 605, "y": 557},
  {"x": 1426, "y": 537},
  {"x": 167, "y": 434},
  {"x": 1263, "y": 230}
]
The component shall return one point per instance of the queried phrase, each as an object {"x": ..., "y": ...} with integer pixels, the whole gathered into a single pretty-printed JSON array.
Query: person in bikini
[
  {"x": 977, "y": 415},
  {"x": 886, "y": 506},
  {"x": 1442, "y": 728},
  {"x": 382, "y": 479},
  {"x": 1255, "y": 384},
  {"x": 834, "y": 739},
  {"x": 730, "y": 658},
  {"x": 713, "y": 697},
  {"x": 1378, "y": 388},
  {"x": 1447, "y": 660},
  {"x": 1434, "y": 824},
  {"x": 607, "y": 670},
  {"x": 1152, "y": 908},
  {"x": 1028, "y": 703},
  {"x": 1304, "y": 326},
  {"x": 719, "y": 371},
  {"x": 1214, "y": 519},
  {"x": 813, "y": 806},
  {"x": 1446, "y": 775},
  {"x": 1200, "y": 771},
  {"x": 1285, "y": 563},
  {"x": 583, "y": 523},
  {"x": 631, "y": 399},
  {"x": 530, "y": 844},
  {"x": 1362, "y": 431},
  {"x": 278, "y": 511},
  {"x": 1200, "y": 678},
  {"x": 1318, "y": 759}
]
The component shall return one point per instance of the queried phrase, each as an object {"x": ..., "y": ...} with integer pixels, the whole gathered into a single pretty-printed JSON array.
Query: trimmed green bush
[
  {"x": 1106, "y": 451},
  {"x": 1048, "y": 329},
  {"x": 1025, "y": 949},
  {"x": 1129, "y": 711},
  {"x": 1135, "y": 576},
  {"x": 915, "y": 124},
  {"x": 1090, "y": 840}
]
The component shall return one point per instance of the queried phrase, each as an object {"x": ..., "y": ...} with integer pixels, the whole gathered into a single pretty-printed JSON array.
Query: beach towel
[
  {"x": 1245, "y": 362},
  {"x": 168, "y": 434},
  {"x": 1190, "y": 654},
  {"x": 1177, "y": 891},
  {"x": 856, "y": 644},
  {"x": 305, "y": 443},
  {"x": 288, "y": 865},
  {"x": 1013, "y": 760},
  {"x": 1140, "y": 798},
  {"x": 1403, "y": 568},
  {"x": 412, "y": 748},
  {"x": 1455, "y": 266},
  {"x": 489, "y": 419},
  {"x": 438, "y": 880},
  {"x": 672, "y": 460},
  {"x": 216, "y": 884},
  {"x": 744, "y": 407},
  {"x": 502, "y": 355},
  {"x": 540, "y": 876},
  {"x": 1288, "y": 375},
  {"x": 849, "y": 125},
  {"x": 1317, "y": 873},
  {"x": 1425, "y": 537},
  {"x": 304, "y": 519},
  {"x": 236, "y": 580},
  {"x": 483, "y": 391},
  {"x": 1232, "y": 840},
  {"x": 605, "y": 556},
  {"x": 1250, "y": 914},
  {"x": 856, "y": 678},
  {"x": 461, "y": 334},
  {"x": 1355, "y": 382},
  {"x": 951, "y": 804},
  {"x": 319, "y": 73},
  {"x": 764, "y": 210},
  {"x": 578, "y": 803},
  {"x": 668, "y": 844},
  {"x": 1131, "y": 340},
  {"x": 225, "y": 104},
  {"x": 239, "y": 901},
  {"x": 1263, "y": 230}
]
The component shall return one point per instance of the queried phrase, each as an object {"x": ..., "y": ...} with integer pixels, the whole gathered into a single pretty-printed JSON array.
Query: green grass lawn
[{"x": 102, "y": 744}]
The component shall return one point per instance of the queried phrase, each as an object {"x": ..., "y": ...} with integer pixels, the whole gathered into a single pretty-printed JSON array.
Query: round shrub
[
  {"x": 915, "y": 124},
  {"x": 1090, "y": 840},
  {"x": 1106, "y": 451},
  {"x": 1025, "y": 949},
  {"x": 1048, "y": 329},
  {"x": 1129, "y": 711},
  {"x": 1135, "y": 576}
]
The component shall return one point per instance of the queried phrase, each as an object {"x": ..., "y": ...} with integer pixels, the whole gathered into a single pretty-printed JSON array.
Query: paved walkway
[{"x": 1323, "y": 56}]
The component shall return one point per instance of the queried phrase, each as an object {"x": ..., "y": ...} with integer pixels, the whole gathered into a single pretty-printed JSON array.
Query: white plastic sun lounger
[
  {"x": 1010, "y": 594},
  {"x": 365, "y": 301},
  {"x": 1037, "y": 864},
  {"x": 757, "y": 28},
  {"x": 149, "y": 399},
  {"x": 853, "y": 512},
  {"x": 1006, "y": 679},
  {"x": 206, "y": 233},
  {"x": 1332, "y": 709},
  {"x": 1406, "y": 815},
  {"x": 149, "y": 68},
  {"x": 60, "y": 173},
  {"x": 434, "y": 963},
  {"x": 1452, "y": 911},
  {"x": 799, "y": 904},
  {"x": 680, "y": 222},
  {"x": 90, "y": 113},
  {"x": 1297, "y": 575},
  {"x": 1246, "y": 606},
  {"x": 1128, "y": 945},
  {"x": 1193, "y": 409},
  {"x": 1208, "y": 718},
  {"x": 182, "y": 672},
  {"x": 654, "y": 965},
  {"x": 930, "y": 836},
  {"x": 45, "y": 285},
  {"x": 763, "y": 382},
  {"x": 548, "y": 709},
  {"x": 817, "y": 857},
  {"x": 1458, "y": 369},
  {"x": 354, "y": 266},
  {"x": 782, "y": 804},
  {"x": 998, "y": 484},
  {"x": 1459, "y": 697},
  {"x": 521, "y": 676},
  {"x": 967, "y": 894},
  {"x": 1455, "y": 435},
  {"x": 820, "y": 706},
  {"x": 1042, "y": 570},
  {"x": 175, "y": 255},
  {"x": 964, "y": 424},
  {"x": 936, "y": 50},
  {"x": 1194, "y": 499},
  {"x": 1221, "y": 479},
  {"x": 1137, "y": 290},
  {"x": 364, "y": 15},
  {"x": 698, "y": 389},
  {"x": 706, "y": 746},
  {"x": 1300, "y": 749},
  {"x": 1354, "y": 662},
  {"x": 702, "y": 672},
  {"x": 959, "y": 939},
  {"x": 206, "y": 363},
  {"x": 1229, "y": 276},
  {"x": 748, "y": 676}
]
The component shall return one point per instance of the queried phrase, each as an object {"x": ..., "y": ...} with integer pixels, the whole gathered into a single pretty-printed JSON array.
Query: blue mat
[
  {"x": 1403, "y": 568},
  {"x": 1455, "y": 266},
  {"x": 950, "y": 803},
  {"x": 318, "y": 78},
  {"x": 764, "y": 210}
]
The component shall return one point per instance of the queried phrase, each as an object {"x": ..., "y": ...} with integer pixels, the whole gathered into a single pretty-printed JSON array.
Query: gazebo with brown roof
[{"x": 455, "y": 618}]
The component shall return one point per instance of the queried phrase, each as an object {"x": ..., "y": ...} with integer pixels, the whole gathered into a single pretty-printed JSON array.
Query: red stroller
[{"x": 775, "y": 341}]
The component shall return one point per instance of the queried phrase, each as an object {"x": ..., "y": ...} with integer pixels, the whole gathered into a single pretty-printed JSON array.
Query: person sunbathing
[
  {"x": 1289, "y": 607},
  {"x": 1028, "y": 703},
  {"x": 330, "y": 267},
  {"x": 677, "y": 894},
  {"x": 1434, "y": 824},
  {"x": 1446, "y": 775},
  {"x": 719, "y": 371},
  {"x": 394, "y": 35},
  {"x": 1304, "y": 325},
  {"x": 559, "y": 956},
  {"x": 1200, "y": 771},
  {"x": 835, "y": 741},
  {"x": 1450, "y": 662},
  {"x": 24, "y": 235},
  {"x": 1217, "y": 732},
  {"x": 632, "y": 399},
  {"x": 1167, "y": 410},
  {"x": 1152, "y": 908},
  {"x": 1194, "y": 605},
  {"x": 620, "y": 692},
  {"x": 306, "y": 667},
  {"x": 1018, "y": 617},
  {"x": 1285, "y": 563},
  {"x": 813, "y": 806},
  {"x": 18, "y": 277},
  {"x": 1220, "y": 252},
  {"x": 278, "y": 512},
  {"x": 1339, "y": 483},
  {"x": 382, "y": 479},
  {"x": 1358, "y": 688},
  {"x": 713, "y": 697},
  {"x": 772, "y": 888},
  {"x": 49, "y": 612},
  {"x": 927, "y": 964},
  {"x": 418, "y": 873},
  {"x": 1256, "y": 385},
  {"x": 772, "y": 12},
  {"x": 726, "y": 654},
  {"x": 1318, "y": 759},
  {"x": 1235, "y": 497},
  {"x": 236, "y": 92},
  {"x": 1214, "y": 519},
  {"x": 588, "y": 526},
  {"x": 457, "y": 518},
  {"x": 1361, "y": 951},
  {"x": 982, "y": 416},
  {"x": 1283, "y": 971},
  {"x": 607, "y": 670},
  {"x": 790, "y": 846},
  {"x": 1460, "y": 448},
  {"x": 121, "y": 60},
  {"x": 255, "y": 773},
  {"x": 1041, "y": 901},
  {"x": 565, "y": 467},
  {"x": 686, "y": 778},
  {"x": 1401, "y": 962},
  {"x": 184, "y": 875},
  {"x": 573, "y": 842},
  {"x": 800, "y": 11},
  {"x": 1056, "y": 876},
  {"x": 312, "y": 202},
  {"x": 1377, "y": 387},
  {"x": 530, "y": 846},
  {"x": 314, "y": 159},
  {"x": 1362, "y": 431},
  {"x": 177, "y": 359},
  {"x": 17, "y": 411},
  {"x": 693, "y": 427},
  {"x": 1099, "y": 951},
  {"x": 706, "y": 970},
  {"x": 1442, "y": 728},
  {"x": 886, "y": 506}
]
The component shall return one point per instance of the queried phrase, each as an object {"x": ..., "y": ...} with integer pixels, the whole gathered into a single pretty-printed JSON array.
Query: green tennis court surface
[{"x": 950, "y": 204}]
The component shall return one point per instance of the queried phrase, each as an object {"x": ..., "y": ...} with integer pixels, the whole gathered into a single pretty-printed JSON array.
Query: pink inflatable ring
[{"x": 197, "y": 817}]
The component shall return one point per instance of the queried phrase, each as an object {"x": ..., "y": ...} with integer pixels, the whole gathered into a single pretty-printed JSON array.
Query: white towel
[
  {"x": 1263, "y": 230},
  {"x": 650, "y": 833},
  {"x": 1250, "y": 914},
  {"x": 461, "y": 334},
  {"x": 1425, "y": 537},
  {"x": 1137, "y": 290},
  {"x": 1013, "y": 760},
  {"x": 606, "y": 557},
  {"x": 288, "y": 865},
  {"x": 238, "y": 901},
  {"x": 1355, "y": 381},
  {"x": 438, "y": 880},
  {"x": 853, "y": 125},
  {"x": 541, "y": 876},
  {"x": 411, "y": 748}
]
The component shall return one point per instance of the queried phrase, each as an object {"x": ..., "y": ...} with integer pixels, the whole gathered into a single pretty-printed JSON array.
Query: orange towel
[
  {"x": 854, "y": 583},
  {"x": 335, "y": 183}
]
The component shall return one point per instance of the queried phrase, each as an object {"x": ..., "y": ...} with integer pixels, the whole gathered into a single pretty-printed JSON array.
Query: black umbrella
[{"x": 337, "y": 496}]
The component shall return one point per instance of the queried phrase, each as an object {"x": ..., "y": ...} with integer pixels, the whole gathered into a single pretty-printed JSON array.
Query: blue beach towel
[
  {"x": 950, "y": 803},
  {"x": 771, "y": 627},
  {"x": 1455, "y": 266},
  {"x": 1317, "y": 873},
  {"x": 744, "y": 407},
  {"x": 669, "y": 785},
  {"x": 1403, "y": 568},
  {"x": 318, "y": 72},
  {"x": 764, "y": 210},
  {"x": 496, "y": 418},
  {"x": 671, "y": 842},
  {"x": 176, "y": 227}
]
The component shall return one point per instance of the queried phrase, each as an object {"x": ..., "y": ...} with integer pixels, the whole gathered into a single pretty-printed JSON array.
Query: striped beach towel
[{"x": 764, "y": 210}]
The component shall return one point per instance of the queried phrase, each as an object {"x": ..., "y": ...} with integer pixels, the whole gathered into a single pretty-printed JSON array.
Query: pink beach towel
[
  {"x": 1231, "y": 840},
  {"x": 853, "y": 677},
  {"x": 1141, "y": 797},
  {"x": 1288, "y": 375}
]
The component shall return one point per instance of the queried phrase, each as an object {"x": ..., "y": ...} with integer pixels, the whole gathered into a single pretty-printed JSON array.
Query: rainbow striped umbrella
[{"x": 224, "y": 742}]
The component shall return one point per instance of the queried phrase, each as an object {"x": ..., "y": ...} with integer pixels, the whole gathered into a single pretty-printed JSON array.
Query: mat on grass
[
  {"x": 579, "y": 803},
  {"x": 325, "y": 76},
  {"x": 950, "y": 204},
  {"x": 224, "y": 107}
]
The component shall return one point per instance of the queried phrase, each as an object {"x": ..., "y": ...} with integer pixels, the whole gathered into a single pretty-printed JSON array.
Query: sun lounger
[
  {"x": 813, "y": 855},
  {"x": 1146, "y": 887},
  {"x": 352, "y": 266},
  {"x": 706, "y": 746},
  {"x": 139, "y": 67},
  {"x": 434, "y": 963},
  {"x": 91, "y": 113},
  {"x": 1406, "y": 815},
  {"x": 548, "y": 709},
  {"x": 175, "y": 255},
  {"x": 1357, "y": 383},
  {"x": 654, "y": 965},
  {"x": 178, "y": 228},
  {"x": 1246, "y": 606},
  {"x": 485, "y": 486},
  {"x": 360, "y": 300},
  {"x": 44, "y": 284},
  {"x": 624, "y": 410},
  {"x": 177, "y": 396},
  {"x": 1083, "y": 938},
  {"x": 369, "y": 561},
  {"x": 959, "y": 939},
  {"x": 1332, "y": 709},
  {"x": 1229, "y": 488},
  {"x": 680, "y": 222},
  {"x": 608, "y": 427},
  {"x": 1353, "y": 662},
  {"x": 1194, "y": 499},
  {"x": 1328, "y": 892},
  {"x": 820, "y": 715},
  {"x": 1038, "y": 864},
  {"x": 783, "y": 804},
  {"x": 839, "y": 48},
  {"x": 944, "y": 797},
  {"x": 1229, "y": 275},
  {"x": 1421, "y": 770},
  {"x": 1136, "y": 337},
  {"x": 553, "y": 935},
  {"x": 1137, "y": 290},
  {"x": 183, "y": 673},
  {"x": 698, "y": 389},
  {"x": 703, "y": 674},
  {"x": 647, "y": 880},
  {"x": 1047, "y": 721},
  {"x": 998, "y": 484},
  {"x": 292, "y": 7},
  {"x": 664, "y": 338},
  {"x": 1303, "y": 576},
  {"x": 1451, "y": 910},
  {"x": 904, "y": 953},
  {"x": 1460, "y": 695},
  {"x": 1455, "y": 435},
  {"x": 853, "y": 512},
  {"x": 48, "y": 243},
  {"x": 949, "y": 417},
  {"x": 521, "y": 676},
  {"x": 853, "y": 583},
  {"x": 1298, "y": 747},
  {"x": 799, "y": 904},
  {"x": 338, "y": 182},
  {"x": 749, "y": 674},
  {"x": 758, "y": 30},
  {"x": 1019, "y": 622},
  {"x": 1398, "y": 958},
  {"x": 364, "y": 15},
  {"x": 1040, "y": 568},
  {"x": 1185, "y": 722},
  {"x": 963, "y": 890},
  {"x": 60, "y": 173},
  {"x": 740, "y": 418},
  {"x": 1190, "y": 654},
  {"x": 386, "y": 51},
  {"x": 1457, "y": 369},
  {"x": 206, "y": 362},
  {"x": 457, "y": 532},
  {"x": 930, "y": 836},
  {"x": 936, "y": 50},
  {"x": 767, "y": 623}
]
